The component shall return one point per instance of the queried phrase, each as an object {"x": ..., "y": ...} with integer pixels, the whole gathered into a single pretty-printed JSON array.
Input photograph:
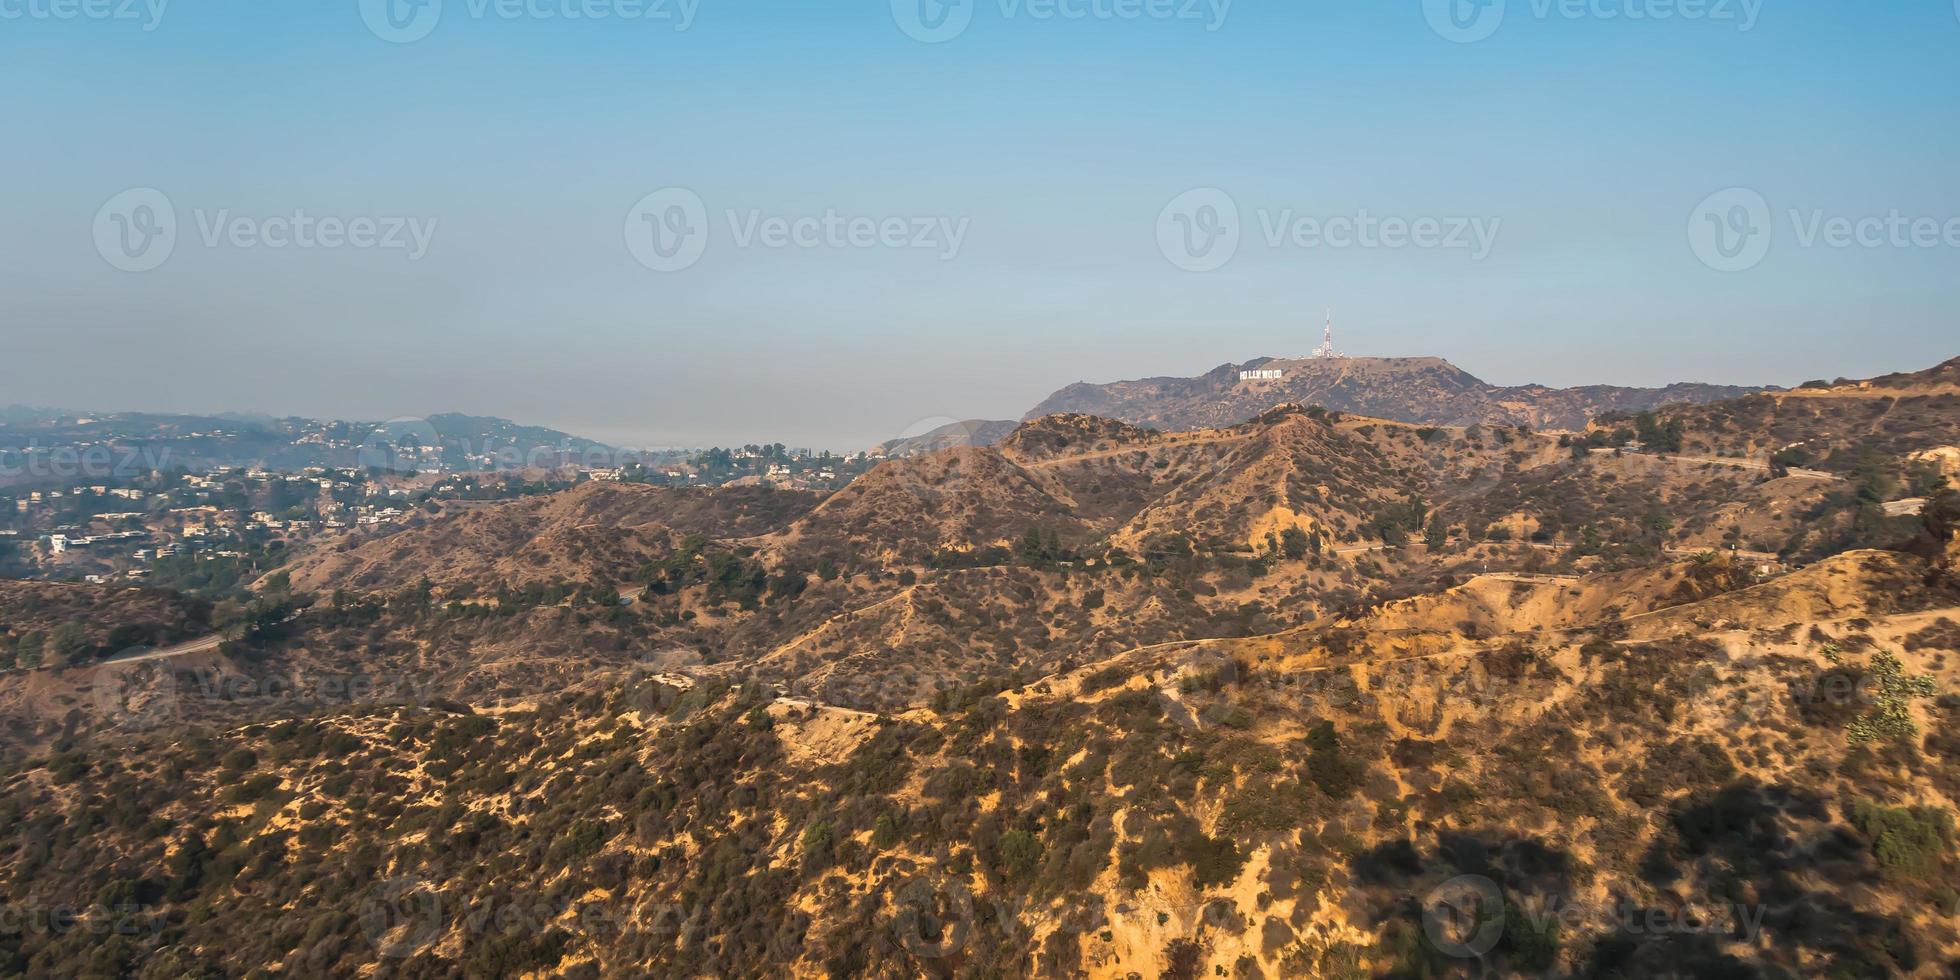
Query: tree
[
  {"x": 1941, "y": 515},
  {"x": 1294, "y": 543},
  {"x": 1035, "y": 548},
  {"x": 1437, "y": 534},
  {"x": 1656, "y": 435},
  {"x": 1020, "y": 852},
  {"x": 27, "y": 649},
  {"x": 1395, "y": 522},
  {"x": 70, "y": 645}
]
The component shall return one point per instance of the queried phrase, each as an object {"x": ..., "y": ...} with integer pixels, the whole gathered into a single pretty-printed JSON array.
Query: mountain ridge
[{"x": 1422, "y": 390}]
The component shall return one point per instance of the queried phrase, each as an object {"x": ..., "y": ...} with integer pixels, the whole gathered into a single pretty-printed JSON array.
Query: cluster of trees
[
  {"x": 730, "y": 575},
  {"x": 72, "y": 628},
  {"x": 1658, "y": 435},
  {"x": 1293, "y": 543},
  {"x": 66, "y": 646},
  {"x": 1394, "y": 523},
  {"x": 216, "y": 576},
  {"x": 1041, "y": 549}
]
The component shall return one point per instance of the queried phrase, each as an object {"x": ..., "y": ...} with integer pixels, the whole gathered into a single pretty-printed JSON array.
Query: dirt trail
[
  {"x": 1167, "y": 443},
  {"x": 200, "y": 645},
  {"x": 812, "y": 632}
]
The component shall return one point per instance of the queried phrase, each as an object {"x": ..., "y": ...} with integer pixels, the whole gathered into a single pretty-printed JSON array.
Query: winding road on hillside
[
  {"x": 203, "y": 644},
  {"x": 1741, "y": 464}
]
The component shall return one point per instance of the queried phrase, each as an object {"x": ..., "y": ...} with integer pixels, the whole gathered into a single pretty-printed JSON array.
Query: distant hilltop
[
  {"x": 1419, "y": 390},
  {"x": 1423, "y": 390}
]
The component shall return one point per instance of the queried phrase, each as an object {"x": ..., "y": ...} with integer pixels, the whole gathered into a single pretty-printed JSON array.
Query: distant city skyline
[{"x": 699, "y": 223}]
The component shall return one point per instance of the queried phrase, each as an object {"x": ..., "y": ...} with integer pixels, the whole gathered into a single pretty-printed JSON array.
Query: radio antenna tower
[{"x": 1326, "y": 348}]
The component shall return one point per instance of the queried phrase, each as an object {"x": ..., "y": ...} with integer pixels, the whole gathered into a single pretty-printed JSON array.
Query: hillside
[
  {"x": 974, "y": 432},
  {"x": 1312, "y": 694},
  {"x": 1698, "y": 802},
  {"x": 1422, "y": 390},
  {"x": 197, "y": 442},
  {"x": 1832, "y": 426},
  {"x": 598, "y": 531},
  {"x": 98, "y": 620}
]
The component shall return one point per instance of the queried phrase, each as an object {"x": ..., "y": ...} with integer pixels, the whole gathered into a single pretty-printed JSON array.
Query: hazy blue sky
[{"x": 1589, "y": 141}]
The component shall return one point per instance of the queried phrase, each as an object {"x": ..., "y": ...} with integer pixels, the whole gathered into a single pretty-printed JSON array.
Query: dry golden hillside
[
  {"x": 1313, "y": 695},
  {"x": 1728, "y": 778},
  {"x": 602, "y": 531},
  {"x": 1833, "y": 426}
]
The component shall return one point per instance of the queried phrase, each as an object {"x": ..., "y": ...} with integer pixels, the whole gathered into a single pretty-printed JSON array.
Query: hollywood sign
[{"x": 1270, "y": 374}]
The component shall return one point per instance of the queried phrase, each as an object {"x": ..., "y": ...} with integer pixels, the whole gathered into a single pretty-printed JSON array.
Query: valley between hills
[{"x": 1283, "y": 688}]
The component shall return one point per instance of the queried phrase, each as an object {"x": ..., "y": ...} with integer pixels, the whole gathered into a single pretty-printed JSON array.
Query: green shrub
[
  {"x": 1020, "y": 853},
  {"x": 1909, "y": 842},
  {"x": 1890, "y": 718}
]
